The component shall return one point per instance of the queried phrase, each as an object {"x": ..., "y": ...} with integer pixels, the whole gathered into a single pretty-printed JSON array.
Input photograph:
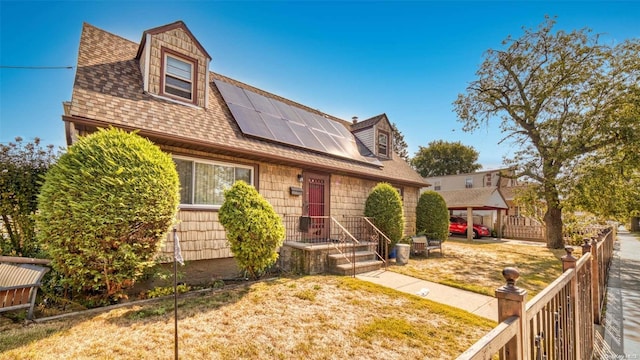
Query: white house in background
[{"x": 479, "y": 195}]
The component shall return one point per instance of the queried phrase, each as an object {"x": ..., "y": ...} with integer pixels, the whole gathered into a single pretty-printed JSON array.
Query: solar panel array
[{"x": 270, "y": 119}]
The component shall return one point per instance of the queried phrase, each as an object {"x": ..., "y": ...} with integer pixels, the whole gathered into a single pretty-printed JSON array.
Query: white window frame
[
  {"x": 386, "y": 144},
  {"x": 166, "y": 73},
  {"x": 437, "y": 185},
  {"x": 468, "y": 183},
  {"x": 193, "y": 179}
]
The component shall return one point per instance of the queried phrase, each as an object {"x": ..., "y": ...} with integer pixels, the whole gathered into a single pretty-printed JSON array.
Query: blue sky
[{"x": 406, "y": 59}]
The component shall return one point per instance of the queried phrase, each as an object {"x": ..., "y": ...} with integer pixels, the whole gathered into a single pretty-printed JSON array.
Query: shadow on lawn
[{"x": 148, "y": 310}]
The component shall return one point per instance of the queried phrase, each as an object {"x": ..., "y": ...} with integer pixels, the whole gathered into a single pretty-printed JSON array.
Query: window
[
  {"x": 383, "y": 143},
  {"x": 436, "y": 185},
  {"x": 488, "y": 179},
  {"x": 468, "y": 183},
  {"x": 178, "y": 77},
  {"x": 202, "y": 183}
]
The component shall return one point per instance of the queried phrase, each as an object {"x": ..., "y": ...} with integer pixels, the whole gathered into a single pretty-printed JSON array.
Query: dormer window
[
  {"x": 178, "y": 79},
  {"x": 383, "y": 144}
]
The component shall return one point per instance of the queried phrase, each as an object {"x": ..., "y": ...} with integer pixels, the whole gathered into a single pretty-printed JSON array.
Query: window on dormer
[
  {"x": 178, "y": 77},
  {"x": 383, "y": 144}
]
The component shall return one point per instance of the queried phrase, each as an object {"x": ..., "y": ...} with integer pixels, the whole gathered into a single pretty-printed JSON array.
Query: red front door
[{"x": 316, "y": 205}]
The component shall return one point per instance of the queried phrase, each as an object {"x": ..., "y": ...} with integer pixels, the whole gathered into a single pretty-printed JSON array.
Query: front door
[{"x": 316, "y": 205}]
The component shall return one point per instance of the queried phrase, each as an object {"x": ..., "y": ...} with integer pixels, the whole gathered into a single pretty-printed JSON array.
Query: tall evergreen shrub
[
  {"x": 254, "y": 230},
  {"x": 104, "y": 208},
  {"x": 384, "y": 205},
  {"x": 432, "y": 216}
]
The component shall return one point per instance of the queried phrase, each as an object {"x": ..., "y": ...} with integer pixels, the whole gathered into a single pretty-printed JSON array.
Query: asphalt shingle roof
[
  {"x": 479, "y": 198},
  {"x": 108, "y": 90}
]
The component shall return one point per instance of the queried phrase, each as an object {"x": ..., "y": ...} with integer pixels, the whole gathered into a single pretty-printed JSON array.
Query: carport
[{"x": 488, "y": 198}]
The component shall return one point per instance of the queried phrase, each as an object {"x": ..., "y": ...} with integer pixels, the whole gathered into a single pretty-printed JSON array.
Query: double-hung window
[
  {"x": 178, "y": 77},
  {"x": 383, "y": 144},
  {"x": 202, "y": 183}
]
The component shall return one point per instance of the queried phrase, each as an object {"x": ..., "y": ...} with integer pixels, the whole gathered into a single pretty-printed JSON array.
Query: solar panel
[
  {"x": 251, "y": 123},
  {"x": 233, "y": 94},
  {"x": 271, "y": 119},
  {"x": 281, "y": 130},
  {"x": 262, "y": 104}
]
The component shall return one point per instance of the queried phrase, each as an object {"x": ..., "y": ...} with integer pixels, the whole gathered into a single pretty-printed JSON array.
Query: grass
[
  {"x": 314, "y": 317},
  {"x": 477, "y": 266}
]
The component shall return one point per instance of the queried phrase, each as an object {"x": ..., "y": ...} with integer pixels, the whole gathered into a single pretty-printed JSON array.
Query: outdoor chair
[
  {"x": 19, "y": 285},
  {"x": 421, "y": 244}
]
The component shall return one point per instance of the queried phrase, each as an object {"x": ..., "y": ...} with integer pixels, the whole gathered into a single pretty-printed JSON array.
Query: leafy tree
[
  {"x": 254, "y": 230},
  {"x": 432, "y": 215},
  {"x": 607, "y": 188},
  {"x": 105, "y": 207},
  {"x": 23, "y": 166},
  {"x": 384, "y": 205},
  {"x": 558, "y": 96},
  {"x": 442, "y": 158},
  {"x": 399, "y": 145},
  {"x": 607, "y": 181}
]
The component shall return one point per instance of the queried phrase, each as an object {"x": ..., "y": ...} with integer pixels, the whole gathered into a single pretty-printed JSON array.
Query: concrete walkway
[
  {"x": 622, "y": 317},
  {"x": 481, "y": 305}
]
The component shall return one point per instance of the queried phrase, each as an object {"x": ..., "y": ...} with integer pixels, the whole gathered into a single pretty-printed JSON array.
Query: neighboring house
[
  {"x": 475, "y": 196},
  {"x": 490, "y": 194},
  {"x": 307, "y": 164}
]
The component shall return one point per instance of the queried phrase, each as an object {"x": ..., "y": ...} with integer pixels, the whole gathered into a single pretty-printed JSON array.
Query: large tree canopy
[
  {"x": 561, "y": 97},
  {"x": 445, "y": 158}
]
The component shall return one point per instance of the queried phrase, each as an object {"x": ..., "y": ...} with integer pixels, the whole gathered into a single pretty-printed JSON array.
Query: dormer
[
  {"x": 376, "y": 134},
  {"x": 174, "y": 65}
]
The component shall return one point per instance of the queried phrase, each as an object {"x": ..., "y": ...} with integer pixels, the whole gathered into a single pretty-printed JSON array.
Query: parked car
[{"x": 458, "y": 225}]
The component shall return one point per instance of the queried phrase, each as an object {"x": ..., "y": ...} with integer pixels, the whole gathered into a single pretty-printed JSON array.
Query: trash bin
[{"x": 402, "y": 253}]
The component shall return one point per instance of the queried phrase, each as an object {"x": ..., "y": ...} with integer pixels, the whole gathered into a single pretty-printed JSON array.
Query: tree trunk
[{"x": 553, "y": 223}]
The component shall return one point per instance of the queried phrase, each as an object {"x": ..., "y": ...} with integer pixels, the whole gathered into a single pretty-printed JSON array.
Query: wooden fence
[
  {"x": 518, "y": 227},
  {"x": 559, "y": 322}
]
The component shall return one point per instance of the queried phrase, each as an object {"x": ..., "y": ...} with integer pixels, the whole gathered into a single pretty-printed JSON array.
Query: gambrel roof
[{"x": 108, "y": 91}]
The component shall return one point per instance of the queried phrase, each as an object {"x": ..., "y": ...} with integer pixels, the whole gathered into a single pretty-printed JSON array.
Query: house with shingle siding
[{"x": 308, "y": 164}]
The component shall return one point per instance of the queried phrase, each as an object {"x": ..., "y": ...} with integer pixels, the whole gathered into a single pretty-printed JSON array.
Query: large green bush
[
  {"x": 384, "y": 205},
  {"x": 21, "y": 169},
  {"x": 432, "y": 216},
  {"x": 105, "y": 207},
  {"x": 253, "y": 228}
]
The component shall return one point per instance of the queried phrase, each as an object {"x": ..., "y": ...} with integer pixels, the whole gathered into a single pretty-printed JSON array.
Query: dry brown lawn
[
  {"x": 314, "y": 317},
  {"x": 477, "y": 266}
]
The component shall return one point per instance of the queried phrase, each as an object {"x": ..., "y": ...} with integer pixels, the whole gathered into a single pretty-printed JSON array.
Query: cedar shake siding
[{"x": 120, "y": 83}]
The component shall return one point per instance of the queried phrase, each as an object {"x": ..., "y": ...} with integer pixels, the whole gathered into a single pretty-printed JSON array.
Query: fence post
[
  {"x": 511, "y": 303},
  {"x": 586, "y": 247},
  {"x": 595, "y": 281},
  {"x": 569, "y": 262}
]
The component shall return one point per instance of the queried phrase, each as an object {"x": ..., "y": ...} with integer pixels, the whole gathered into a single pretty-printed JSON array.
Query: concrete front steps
[{"x": 365, "y": 261}]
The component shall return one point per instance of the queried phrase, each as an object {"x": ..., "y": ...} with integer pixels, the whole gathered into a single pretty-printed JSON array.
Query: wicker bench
[
  {"x": 19, "y": 285},
  {"x": 420, "y": 244}
]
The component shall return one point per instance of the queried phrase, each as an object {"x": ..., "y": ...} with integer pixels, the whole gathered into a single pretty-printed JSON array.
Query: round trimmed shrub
[
  {"x": 384, "y": 205},
  {"x": 104, "y": 209},
  {"x": 432, "y": 216},
  {"x": 254, "y": 230}
]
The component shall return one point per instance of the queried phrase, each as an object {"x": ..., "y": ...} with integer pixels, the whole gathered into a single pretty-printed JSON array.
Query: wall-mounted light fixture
[{"x": 300, "y": 178}]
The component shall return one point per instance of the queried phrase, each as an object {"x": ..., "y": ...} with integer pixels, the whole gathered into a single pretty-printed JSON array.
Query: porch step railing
[
  {"x": 363, "y": 228},
  {"x": 344, "y": 236}
]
